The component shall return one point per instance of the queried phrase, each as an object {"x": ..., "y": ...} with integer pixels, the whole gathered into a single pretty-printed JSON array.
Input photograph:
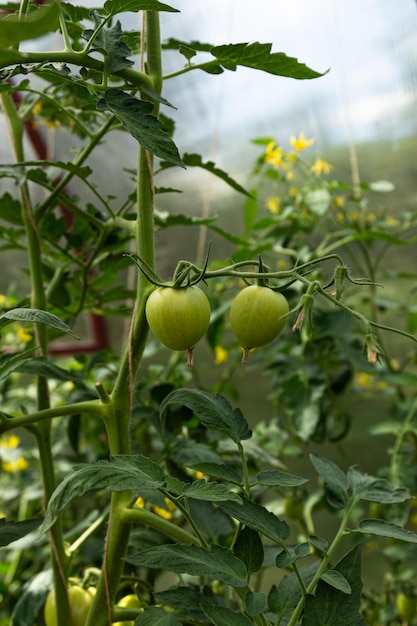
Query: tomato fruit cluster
[
  {"x": 258, "y": 315},
  {"x": 79, "y": 601},
  {"x": 179, "y": 317}
]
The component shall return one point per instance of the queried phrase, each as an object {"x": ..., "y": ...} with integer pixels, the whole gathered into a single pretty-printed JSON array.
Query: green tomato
[
  {"x": 178, "y": 317},
  {"x": 257, "y": 315},
  {"x": 131, "y": 601},
  {"x": 79, "y": 601},
  {"x": 406, "y": 606}
]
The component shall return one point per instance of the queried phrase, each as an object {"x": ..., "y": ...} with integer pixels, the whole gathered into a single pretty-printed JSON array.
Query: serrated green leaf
[
  {"x": 281, "y": 479},
  {"x": 255, "y": 603},
  {"x": 219, "y": 471},
  {"x": 335, "y": 607},
  {"x": 258, "y": 56},
  {"x": 157, "y": 616},
  {"x": 217, "y": 563},
  {"x": 214, "y": 412},
  {"x": 10, "y": 209},
  {"x": 249, "y": 549},
  {"x": 375, "y": 489},
  {"x": 111, "y": 42},
  {"x": 258, "y": 518},
  {"x": 36, "y": 316},
  {"x": 138, "y": 119},
  {"x": 192, "y": 597},
  {"x": 112, "y": 7},
  {"x": 167, "y": 220},
  {"x": 334, "y": 478},
  {"x": 11, "y": 531},
  {"x": 337, "y": 580},
  {"x": 381, "y": 528},
  {"x": 283, "y": 599},
  {"x": 121, "y": 472},
  {"x": 43, "y": 20},
  {"x": 221, "y": 616},
  {"x": 195, "y": 160},
  {"x": 213, "y": 492}
]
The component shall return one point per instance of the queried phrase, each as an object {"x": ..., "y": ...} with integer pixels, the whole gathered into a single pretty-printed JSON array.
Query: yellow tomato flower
[
  {"x": 339, "y": 201},
  {"x": 199, "y": 475},
  {"x": 293, "y": 192},
  {"x": 22, "y": 334},
  {"x": 364, "y": 380},
  {"x": 220, "y": 355},
  {"x": 274, "y": 155},
  {"x": 272, "y": 204},
  {"x": 370, "y": 217},
  {"x": 290, "y": 175},
  {"x": 165, "y": 513},
  {"x": 9, "y": 441},
  {"x": 320, "y": 167},
  {"x": 301, "y": 143},
  {"x": 15, "y": 465},
  {"x": 140, "y": 503},
  {"x": 3, "y": 299}
]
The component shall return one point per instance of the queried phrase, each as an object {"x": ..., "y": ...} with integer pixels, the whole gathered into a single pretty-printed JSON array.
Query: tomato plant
[
  {"x": 178, "y": 317},
  {"x": 257, "y": 315},
  {"x": 406, "y": 606},
  {"x": 79, "y": 602},
  {"x": 131, "y": 601}
]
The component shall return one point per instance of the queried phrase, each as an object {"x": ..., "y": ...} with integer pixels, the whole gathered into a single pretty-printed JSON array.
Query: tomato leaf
[
  {"x": 255, "y": 603},
  {"x": 218, "y": 563},
  {"x": 214, "y": 412},
  {"x": 219, "y": 471},
  {"x": 381, "y": 528},
  {"x": 36, "y": 316},
  {"x": 221, "y": 616},
  {"x": 138, "y": 119},
  {"x": 11, "y": 362},
  {"x": 11, "y": 531},
  {"x": 334, "y": 606},
  {"x": 335, "y": 479},
  {"x": 257, "y": 56},
  {"x": 258, "y": 518},
  {"x": 14, "y": 29},
  {"x": 119, "y": 6},
  {"x": 249, "y": 549},
  {"x": 281, "y": 479},
  {"x": 214, "y": 492}
]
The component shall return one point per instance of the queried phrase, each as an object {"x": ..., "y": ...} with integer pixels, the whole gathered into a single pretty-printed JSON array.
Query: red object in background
[{"x": 96, "y": 324}]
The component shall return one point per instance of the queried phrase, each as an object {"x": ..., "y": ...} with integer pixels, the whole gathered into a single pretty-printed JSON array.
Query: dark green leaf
[
  {"x": 283, "y": 599},
  {"x": 281, "y": 479},
  {"x": 110, "y": 41},
  {"x": 11, "y": 362},
  {"x": 213, "y": 492},
  {"x": 333, "y": 476},
  {"x": 31, "y": 599},
  {"x": 43, "y": 20},
  {"x": 39, "y": 366},
  {"x": 258, "y": 518},
  {"x": 337, "y": 580},
  {"x": 157, "y": 616},
  {"x": 258, "y": 56},
  {"x": 221, "y": 616},
  {"x": 375, "y": 489},
  {"x": 112, "y": 7},
  {"x": 255, "y": 603},
  {"x": 138, "y": 119},
  {"x": 192, "y": 597},
  {"x": 10, "y": 210},
  {"x": 381, "y": 528},
  {"x": 167, "y": 220},
  {"x": 290, "y": 555},
  {"x": 217, "y": 563},
  {"x": 332, "y": 607},
  {"x": 36, "y": 316},
  {"x": 214, "y": 412},
  {"x": 11, "y": 531},
  {"x": 219, "y": 471},
  {"x": 249, "y": 549},
  {"x": 120, "y": 473},
  {"x": 195, "y": 160}
]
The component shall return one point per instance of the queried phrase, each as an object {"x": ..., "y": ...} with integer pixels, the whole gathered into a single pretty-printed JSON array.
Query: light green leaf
[
  {"x": 36, "y": 316},
  {"x": 258, "y": 56},
  {"x": 43, "y": 20},
  {"x": 382, "y": 186},
  {"x": 214, "y": 412},
  {"x": 381, "y": 528},
  {"x": 138, "y": 119},
  {"x": 217, "y": 563},
  {"x": 318, "y": 201},
  {"x": 337, "y": 580}
]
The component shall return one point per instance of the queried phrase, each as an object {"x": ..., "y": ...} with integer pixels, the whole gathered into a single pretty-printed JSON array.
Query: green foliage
[{"x": 146, "y": 466}]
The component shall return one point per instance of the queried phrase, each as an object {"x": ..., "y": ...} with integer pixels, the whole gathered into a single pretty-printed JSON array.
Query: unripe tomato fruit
[
  {"x": 131, "y": 601},
  {"x": 256, "y": 315},
  {"x": 79, "y": 600},
  {"x": 178, "y": 317},
  {"x": 406, "y": 606}
]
